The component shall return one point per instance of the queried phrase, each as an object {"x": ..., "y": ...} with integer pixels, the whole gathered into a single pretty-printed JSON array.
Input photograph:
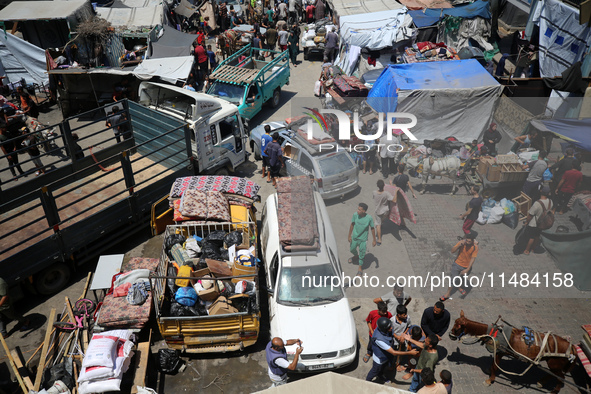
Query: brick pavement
[{"x": 546, "y": 309}]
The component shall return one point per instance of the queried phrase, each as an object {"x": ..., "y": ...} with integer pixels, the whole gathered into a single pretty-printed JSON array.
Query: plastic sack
[
  {"x": 186, "y": 296},
  {"x": 547, "y": 175},
  {"x": 172, "y": 271},
  {"x": 100, "y": 351},
  {"x": 178, "y": 310},
  {"x": 102, "y": 386},
  {"x": 511, "y": 220},
  {"x": 489, "y": 202},
  {"x": 173, "y": 239},
  {"x": 169, "y": 360},
  {"x": 216, "y": 237},
  {"x": 58, "y": 372},
  {"x": 138, "y": 292},
  {"x": 233, "y": 238},
  {"x": 210, "y": 250},
  {"x": 192, "y": 247},
  {"x": 317, "y": 88},
  {"x": 481, "y": 219},
  {"x": 496, "y": 215}
]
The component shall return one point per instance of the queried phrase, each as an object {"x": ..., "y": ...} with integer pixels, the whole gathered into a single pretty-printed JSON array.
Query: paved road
[{"x": 424, "y": 248}]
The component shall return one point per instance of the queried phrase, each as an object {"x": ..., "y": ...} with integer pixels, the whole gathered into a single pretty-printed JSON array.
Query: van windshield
[
  {"x": 307, "y": 286},
  {"x": 232, "y": 93},
  {"x": 336, "y": 163}
]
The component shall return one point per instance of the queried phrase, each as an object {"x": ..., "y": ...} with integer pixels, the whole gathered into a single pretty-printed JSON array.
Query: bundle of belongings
[
  {"x": 205, "y": 199},
  {"x": 197, "y": 263},
  {"x": 298, "y": 228},
  {"x": 428, "y": 52},
  {"x": 129, "y": 300},
  {"x": 106, "y": 360},
  {"x": 316, "y": 32}
]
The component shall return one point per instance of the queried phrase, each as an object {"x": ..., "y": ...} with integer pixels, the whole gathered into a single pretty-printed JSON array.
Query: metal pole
[{"x": 93, "y": 91}]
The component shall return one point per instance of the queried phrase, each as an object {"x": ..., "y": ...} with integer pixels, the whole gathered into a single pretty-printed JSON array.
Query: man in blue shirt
[
  {"x": 265, "y": 139},
  {"x": 275, "y": 153},
  {"x": 211, "y": 55}
]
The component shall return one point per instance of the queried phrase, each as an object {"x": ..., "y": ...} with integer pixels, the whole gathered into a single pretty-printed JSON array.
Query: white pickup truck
[{"x": 218, "y": 136}]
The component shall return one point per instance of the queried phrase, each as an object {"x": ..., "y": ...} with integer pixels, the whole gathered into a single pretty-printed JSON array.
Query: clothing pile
[
  {"x": 106, "y": 360},
  {"x": 316, "y": 32},
  {"x": 428, "y": 52},
  {"x": 134, "y": 285},
  {"x": 198, "y": 262}
]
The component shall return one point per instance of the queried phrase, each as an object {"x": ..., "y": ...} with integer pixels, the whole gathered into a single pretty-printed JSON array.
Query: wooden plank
[
  {"x": 86, "y": 286},
  {"x": 70, "y": 311},
  {"x": 13, "y": 366},
  {"x": 141, "y": 364},
  {"x": 48, "y": 332},
  {"x": 75, "y": 367},
  {"x": 18, "y": 361}
]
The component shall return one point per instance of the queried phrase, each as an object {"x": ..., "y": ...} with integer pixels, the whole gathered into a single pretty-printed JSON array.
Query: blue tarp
[
  {"x": 422, "y": 20},
  {"x": 478, "y": 8},
  {"x": 452, "y": 74},
  {"x": 573, "y": 130}
]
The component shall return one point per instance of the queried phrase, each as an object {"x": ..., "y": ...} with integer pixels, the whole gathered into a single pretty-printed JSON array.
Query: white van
[{"x": 299, "y": 249}]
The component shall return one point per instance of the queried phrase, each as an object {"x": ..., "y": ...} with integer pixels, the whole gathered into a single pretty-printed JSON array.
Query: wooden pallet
[{"x": 234, "y": 74}]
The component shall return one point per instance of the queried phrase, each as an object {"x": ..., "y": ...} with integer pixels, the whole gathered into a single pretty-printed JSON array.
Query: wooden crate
[
  {"x": 493, "y": 173},
  {"x": 507, "y": 159},
  {"x": 522, "y": 205},
  {"x": 512, "y": 173},
  {"x": 483, "y": 165}
]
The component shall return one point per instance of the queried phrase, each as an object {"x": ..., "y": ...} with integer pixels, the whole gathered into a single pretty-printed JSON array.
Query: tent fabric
[
  {"x": 170, "y": 70},
  {"x": 172, "y": 43},
  {"x": 21, "y": 59},
  {"x": 134, "y": 19},
  {"x": 571, "y": 252},
  {"x": 186, "y": 9},
  {"x": 457, "y": 98},
  {"x": 478, "y": 8},
  {"x": 422, "y": 20},
  {"x": 375, "y": 30},
  {"x": 41, "y": 10},
  {"x": 475, "y": 29},
  {"x": 356, "y": 7},
  {"x": 563, "y": 41},
  {"x": 422, "y": 4},
  {"x": 573, "y": 130}
]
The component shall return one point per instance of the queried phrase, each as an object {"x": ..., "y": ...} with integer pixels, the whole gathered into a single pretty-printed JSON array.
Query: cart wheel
[{"x": 489, "y": 193}]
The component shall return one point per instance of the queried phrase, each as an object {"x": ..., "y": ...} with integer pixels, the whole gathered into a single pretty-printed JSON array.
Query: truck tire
[
  {"x": 257, "y": 155},
  {"x": 222, "y": 172},
  {"x": 306, "y": 54},
  {"x": 52, "y": 279},
  {"x": 276, "y": 98}
]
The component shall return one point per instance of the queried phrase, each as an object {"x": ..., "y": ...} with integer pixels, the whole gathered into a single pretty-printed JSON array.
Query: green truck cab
[{"x": 249, "y": 83}]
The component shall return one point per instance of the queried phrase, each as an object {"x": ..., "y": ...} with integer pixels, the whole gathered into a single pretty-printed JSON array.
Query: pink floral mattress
[
  {"x": 224, "y": 184},
  {"x": 583, "y": 196},
  {"x": 402, "y": 209},
  {"x": 296, "y": 212},
  {"x": 116, "y": 312}
]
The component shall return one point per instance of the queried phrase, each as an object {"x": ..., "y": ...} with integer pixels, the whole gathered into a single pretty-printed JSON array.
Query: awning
[
  {"x": 573, "y": 130},
  {"x": 375, "y": 30},
  {"x": 172, "y": 43},
  {"x": 170, "y": 69},
  {"x": 40, "y": 10},
  {"x": 21, "y": 59},
  {"x": 478, "y": 8},
  {"x": 134, "y": 19}
]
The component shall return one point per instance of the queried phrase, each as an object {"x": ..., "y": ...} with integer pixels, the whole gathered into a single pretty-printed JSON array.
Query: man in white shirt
[{"x": 277, "y": 362}]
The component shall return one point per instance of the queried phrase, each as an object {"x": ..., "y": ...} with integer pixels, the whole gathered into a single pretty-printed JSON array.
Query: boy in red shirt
[
  {"x": 372, "y": 322},
  {"x": 567, "y": 186}
]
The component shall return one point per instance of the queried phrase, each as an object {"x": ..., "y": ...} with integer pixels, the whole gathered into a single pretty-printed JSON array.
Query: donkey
[
  {"x": 446, "y": 166},
  {"x": 558, "y": 352}
]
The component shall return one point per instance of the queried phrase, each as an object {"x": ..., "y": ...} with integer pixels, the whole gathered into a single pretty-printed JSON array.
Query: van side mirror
[{"x": 250, "y": 100}]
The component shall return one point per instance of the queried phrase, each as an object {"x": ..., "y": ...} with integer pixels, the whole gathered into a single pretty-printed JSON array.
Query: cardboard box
[
  {"x": 483, "y": 165},
  {"x": 211, "y": 293},
  {"x": 493, "y": 172},
  {"x": 219, "y": 268},
  {"x": 239, "y": 269},
  {"x": 221, "y": 307}
]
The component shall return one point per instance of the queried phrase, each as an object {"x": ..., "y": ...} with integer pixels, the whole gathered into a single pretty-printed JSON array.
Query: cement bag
[
  {"x": 124, "y": 354},
  {"x": 101, "y": 386},
  {"x": 317, "y": 88},
  {"x": 101, "y": 351},
  {"x": 496, "y": 215}
]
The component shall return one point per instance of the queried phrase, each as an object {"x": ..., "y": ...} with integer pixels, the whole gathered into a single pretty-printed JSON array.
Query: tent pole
[{"x": 93, "y": 91}]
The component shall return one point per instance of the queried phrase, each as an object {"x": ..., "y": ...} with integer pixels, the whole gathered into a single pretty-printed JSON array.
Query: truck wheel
[
  {"x": 52, "y": 279},
  {"x": 257, "y": 155},
  {"x": 306, "y": 54},
  {"x": 222, "y": 172},
  {"x": 276, "y": 97}
]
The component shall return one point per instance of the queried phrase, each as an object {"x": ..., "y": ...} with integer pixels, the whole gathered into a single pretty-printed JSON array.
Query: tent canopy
[
  {"x": 134, "y": 19},
  {"x": 356, "y": 7},
  {"x": 573, "y": 130},
  {"x": 171, "y": 69},
  {"x": 171, "y": 43},
  {"x": 21, "y": 59},
  {"x": 40, "y": 10},
  {"x": 479, "y": 8},
  {"x": 375, "y": 30},
  {"x": 450, "y": 98}
]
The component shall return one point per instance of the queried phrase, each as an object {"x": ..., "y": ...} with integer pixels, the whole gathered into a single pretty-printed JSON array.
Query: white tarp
[
  {"x": 170, "y": 69},
  {"x": 20, "y": 59},
  {"x": 376, "y": 30},
  {"x": 185, "y": 9},
  {"x": 132, "y": 18},
  {"x": 44, "y": 10},
  {"x": 356, "y": 7},
  {"x": 563, "y": 41}
]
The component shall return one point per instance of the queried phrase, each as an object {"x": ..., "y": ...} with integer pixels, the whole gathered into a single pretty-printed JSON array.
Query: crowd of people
[{"x": 281, "y": 32}]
